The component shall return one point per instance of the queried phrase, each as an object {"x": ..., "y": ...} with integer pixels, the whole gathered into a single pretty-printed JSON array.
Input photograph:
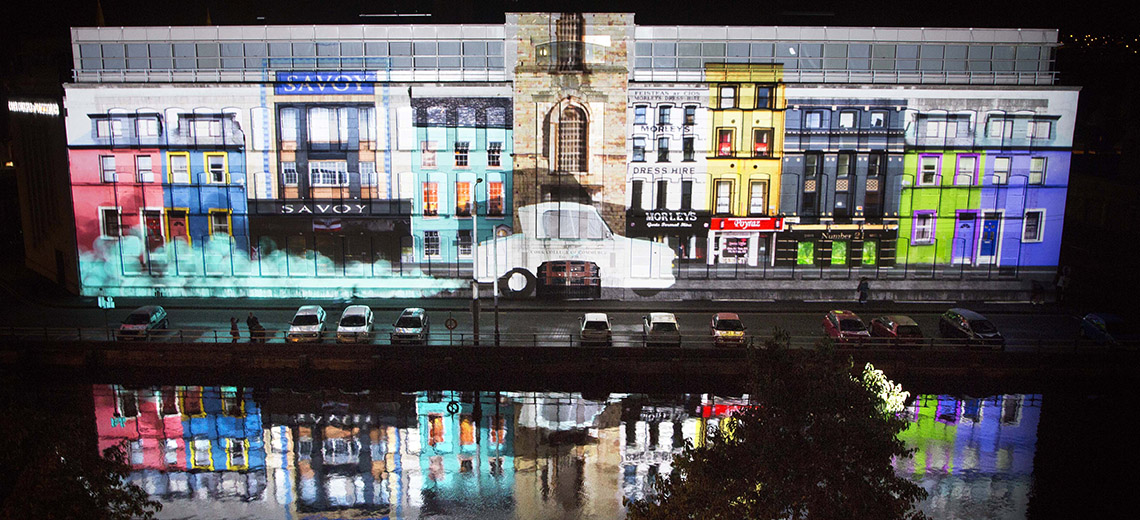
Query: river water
[{"x": 232, "y": 452}]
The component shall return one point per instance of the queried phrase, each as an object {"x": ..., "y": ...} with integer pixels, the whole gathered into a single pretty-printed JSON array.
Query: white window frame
[
  {"x": 427, "y": 154},
  {"x": 726, "y": 97},
  {"x": 367, "y": 173},
  {"x": 970, "y": 175},
  {"x": 1037, "y": 176},
  {"x": 817, "y": 115},
  {"x": 216, "y": 176},
  {"x": 432, "y": 251},
  {"x": 638, "y": 153},
  {"x": 722, "y": 202},
  {"x": 1001, "y": 175},
  {"x": 922, "y": 161},
  {"x": 1040, "y": 236},
  {"x": 848, "y": 119},
  {"x": 215, "y": 228},
  {"x": 103, "y": 213},
  {"x": 757, "y": 205},
  {"x": 147, "y": 127},
  {"x": 495, "y": 154},
  {"x": 289, "y": 124},
  {"x": 107, "y": 174},
  {"x": 933, "y": 128},
  {"x": 924, "y": 228},
  {"x": 462, "y": 154},
  {"x": 464, "y": 248},
  {"x": 321, "y": 170},
  {"x": 1039, "y": 129},
  {"x": 144, "y": 174},
  {"x": 639, "y": 112},
  {"x": 664, "y": 114},
  {"x": 1000, "y": 127},
  {"x": 289, "y": 174}
]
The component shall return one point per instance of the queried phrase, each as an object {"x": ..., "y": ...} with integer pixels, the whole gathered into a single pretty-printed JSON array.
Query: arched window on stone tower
[{"x": 572, "y": 140}]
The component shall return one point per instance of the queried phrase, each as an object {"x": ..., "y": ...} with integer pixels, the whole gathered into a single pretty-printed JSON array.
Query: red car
[
  {"x": 845, "y": 327},
  {"x": 896, "y": 331}
]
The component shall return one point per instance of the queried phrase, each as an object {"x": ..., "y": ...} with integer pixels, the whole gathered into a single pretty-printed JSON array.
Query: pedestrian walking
[
  {"x": 249, "y": 321},
  {"x": 234, "y": 332},
  {"x": 1062, "y": 283},
  {"x": 256, "y": 332},
  {"x": 864, "y": 290}
]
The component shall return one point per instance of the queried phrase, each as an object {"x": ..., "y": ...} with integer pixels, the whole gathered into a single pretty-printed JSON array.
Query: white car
[
  {"x": 308, "y": 325},
  {"x": 660, "y": 328},
  {"x": 594, "y": 329},
  {"x": 355, "y": 325}
]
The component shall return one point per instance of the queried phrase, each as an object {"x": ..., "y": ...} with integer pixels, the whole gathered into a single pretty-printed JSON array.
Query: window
[
  {"x": 571, "y": 140},
  {"x": 289, "y": 127},
  {"x": 235, "y": 454},
  {"x": 427, "y": 154},
  {"x": 126, "y": 402},
  {"x": 1039, "y": 129},
  {"x": 367, "y": 174},
  {"x": 847, "y": 119},
  {"x": 144, "y": 171},
  {"x": 639, "y": 114},
  {"x": 289, "y": 173},
  {"x": 928, "y": 170},
  {"x": 662, "y": 149},
  {"x": 662, "y": 194},
  {"x": 878, "y": 120},
  {"x": 216, "y": 168},
  {"x": 663, "y": 113},
  {"x": 466, "y": 117},
  {"x": 923, "y": 228},
  {"x": 1001, "y": 170},
  {"x": 687, "y": 152},
  {"x": 870, "y": 252},
  {"x": 638, "y": 149},
  {"x": 497, "y": 117},
  {"x": 1034, "y": 226},
  {"x": 465, "y": 247},
  {"x": 436, "y": 116},
  {"x": 431, "y": 199},
  {"x": 967, "y": 167},
  {"x": 686, "y": 194},
  {"x": 811, "y": 182},
  {"x": 839, "y": 252},
  {"x": 219, "y": 222},
  {"x": 200, "y": 454},
  {"x": 191, "y": 401},
  {"x": 232, "y": 403},
  {"x": 179, "y": 168},
  {"x": 170, "y": 452},
  {"x": 1037, "y": 170},
  {"x": 951, "y": 128},
  {"x": 205, "y": 128},
  {"x": 762, "y": 142},
  {"x": 805, "y": 253},
  {"x": 727, "y": 97},
  {"x": 495, "y": 198},
  {"x": 1000, "y": 128},
  {"x": 569, "y": 33},
  {"x": 328, "y": 173},
  {"x": 324, "y": 125},
  {"x": 461, "y": 153},
  {"x": 463, "y": 199},
  {"x": 636, "y": 191},
  {"x": 107, "y": 168},
  {"x": 844, "y": 162},
  {"x": 756, "y": 203},
  {"x": 366, "y": 124},
  {"x": 495, "y": 154},
  {"x": 109, "y": 128},
  {"x": 690, "y": 115},
  {"x": 431, "y": 243},
  {"x": 723, "y": 197},
  {"x": 763, "y": 97},
  {"x": 933, "y": 128},
  {"x": 724, "y": 142},
  {"x": 873, "y": 198},
  {"x": 813, "y": 119},
  {"x": 147, "y": 127}
]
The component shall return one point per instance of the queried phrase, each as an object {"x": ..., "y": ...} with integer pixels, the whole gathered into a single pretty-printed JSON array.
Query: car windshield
[
  {"x": 665, "y": 327},
  {"x": 305, "y": 319},
  {"x": 909, "y": 331},
  {"x": 408, "y": 322},
  {"x": 850, "y": 325},
  {"x": 137, "y": 319},
  {"x": 729, "y": 325},
  {"x": 595, "y": 325},
  {"x": 352, "y": 321},
  {"x": 983, "y": 327}
]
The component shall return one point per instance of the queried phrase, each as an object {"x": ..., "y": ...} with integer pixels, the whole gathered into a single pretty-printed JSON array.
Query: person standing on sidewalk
[
  {"x": 864, "y": 290},
  {"x": 234, "y": 332},
  {"x": 249, "y": 322}
]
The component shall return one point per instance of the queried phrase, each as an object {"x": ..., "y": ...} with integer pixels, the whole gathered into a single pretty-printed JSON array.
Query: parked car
[
  {"x": 727, "y": 329},
  {"x": 141, "y": 322},
  {"x": 412, "y": 326},
  {"x": 970, "y": 326},
  {"x": 594, "y": 329},
  {"x": 896, "y": 331},
  {"x": 355, "y": 325},
  {"x": 1109, "y": 329},
  {"x": 308, "y": 325},
  {"x": 845, "y": 327},
  {"x": 660, "y": 328}
]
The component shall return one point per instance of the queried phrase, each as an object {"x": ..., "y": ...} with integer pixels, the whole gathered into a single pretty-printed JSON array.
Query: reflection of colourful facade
[
  {"x": 186, "y": 442},
  {"x": 466, "y": 452}
]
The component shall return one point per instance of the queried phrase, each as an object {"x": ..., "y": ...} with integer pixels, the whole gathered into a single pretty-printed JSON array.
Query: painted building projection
[
  {"x": 462, "y": 181},
  {"x": 843, "y": 165},
  {"x": 186, "y": 442}
]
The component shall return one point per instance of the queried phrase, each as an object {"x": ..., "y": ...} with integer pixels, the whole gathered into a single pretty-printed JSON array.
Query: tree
[
  {"x": 53, "y": 468},
  {"x": 816, "y": 442}
]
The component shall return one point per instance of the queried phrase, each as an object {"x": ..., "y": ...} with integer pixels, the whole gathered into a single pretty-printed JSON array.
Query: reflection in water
[{"x": 226, "y": 452}]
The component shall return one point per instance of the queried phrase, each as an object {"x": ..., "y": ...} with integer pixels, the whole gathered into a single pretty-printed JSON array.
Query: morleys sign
[{"x": 329, "y": 83}]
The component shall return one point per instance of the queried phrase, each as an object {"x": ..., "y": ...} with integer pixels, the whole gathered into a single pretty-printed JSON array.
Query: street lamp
[{"x": 475, "y": 261}]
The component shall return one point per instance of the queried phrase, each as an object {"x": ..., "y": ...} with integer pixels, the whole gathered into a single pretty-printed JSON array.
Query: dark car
[
  {"x": 727, "y": 329},
  {"x": 1109, "y": 329},
  {"x": 896, "y": 331},
  {"x": 845, "y": 327},
  {"x": 143, "y": 321},
  {"x": 970, "y": 329}
]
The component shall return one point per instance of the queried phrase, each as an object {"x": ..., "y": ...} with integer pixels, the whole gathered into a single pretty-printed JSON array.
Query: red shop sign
[{"x": 749, "y": 224}]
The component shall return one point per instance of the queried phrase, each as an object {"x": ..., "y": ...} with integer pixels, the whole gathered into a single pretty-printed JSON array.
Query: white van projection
[{"x": 556, "y": 234}]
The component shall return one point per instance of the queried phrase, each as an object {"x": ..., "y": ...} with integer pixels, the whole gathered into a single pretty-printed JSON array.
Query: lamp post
[{"x": 475, "y": 262}]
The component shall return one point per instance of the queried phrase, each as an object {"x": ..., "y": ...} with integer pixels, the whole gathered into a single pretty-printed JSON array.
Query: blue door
[{"x": 991, "y": 229}]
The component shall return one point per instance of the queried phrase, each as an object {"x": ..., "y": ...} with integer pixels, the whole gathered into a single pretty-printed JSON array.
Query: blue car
[{"x": 1108, "y": 329}]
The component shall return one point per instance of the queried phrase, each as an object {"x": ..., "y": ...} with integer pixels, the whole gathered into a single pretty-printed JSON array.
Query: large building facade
[{"x": 404, "y": 160}]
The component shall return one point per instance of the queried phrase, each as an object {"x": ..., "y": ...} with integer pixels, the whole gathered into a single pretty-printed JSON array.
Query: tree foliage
[
  {"x": 816, "y": 442},
  {"x": 53, "y": 469}
]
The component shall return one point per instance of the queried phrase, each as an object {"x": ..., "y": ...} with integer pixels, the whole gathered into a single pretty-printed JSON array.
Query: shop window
[
  {"x": 723, "y": 204},
  {"x": 1037, "y": 170},
  {"x": 805, "y": 253},
  {"x": 762, "y": 142},
  {"x": 107, "y": 168},
  {"x": 495, "y": 199},
  {"x": 757, "y": 205},
  {"x": 928, "y": 170},
  {"x": 638, "y": 149},
  {"x": 1034, "y": 230},
  {"x": 495, "y": 154},
  {"x": 431, "y": 243},
  {"x": 639, "y": 114},
  {"x": 431, "y": 199},
  {"x": 923, "y": 232},
  {"x": 662, "y": 149},
  {"x": 498, "y": 433},
  {"x": 1001, "y": 170},
  {"x": 463, "y": 199},
  {"x": 870, "y": 252},
  {"x": 839, "y": 252},
  {"x": 144, "y": 168},
  {"x": 461, "y": 153},
  {"x": 663, "y": 115},
  {"x": 727, "y": 97},
  {"x": 724, "y": 142},
  {"x": 688, "y": 154},
  {"x": 662, "y": 194}
]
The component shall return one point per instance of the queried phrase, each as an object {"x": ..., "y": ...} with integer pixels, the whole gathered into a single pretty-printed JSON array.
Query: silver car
[
  {"x": 308, "y": 325},
  {"x": 355, "y": 325}
]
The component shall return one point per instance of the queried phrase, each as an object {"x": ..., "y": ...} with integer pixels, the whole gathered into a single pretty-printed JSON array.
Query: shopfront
[
  {"x": 684, "y": 230},
  {"x": 744, "y": 241},
  {"x": 837, "y": 246}
]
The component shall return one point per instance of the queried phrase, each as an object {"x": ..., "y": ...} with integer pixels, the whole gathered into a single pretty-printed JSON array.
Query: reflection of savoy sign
[
  {"x": 306, "y": 208},
  {"x": 748, "y": 224},
  {"x": 334, "y": 419},
  {"x": 647, "y": 457},
  {"x": 672, "y": 96},
  {"x": 336, "y": 83}
]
